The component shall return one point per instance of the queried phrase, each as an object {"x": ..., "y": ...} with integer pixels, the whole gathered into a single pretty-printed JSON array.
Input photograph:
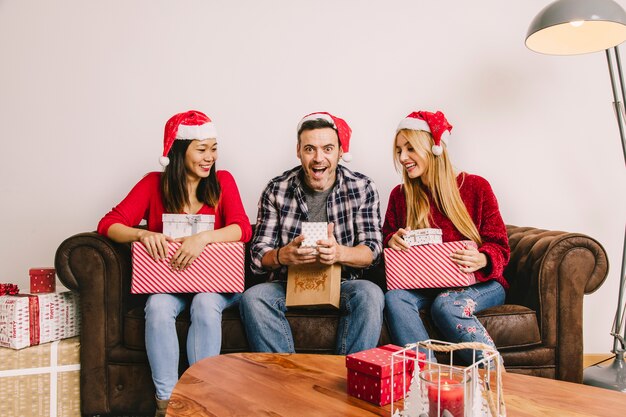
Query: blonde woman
[{"x": 464, "y": 207}]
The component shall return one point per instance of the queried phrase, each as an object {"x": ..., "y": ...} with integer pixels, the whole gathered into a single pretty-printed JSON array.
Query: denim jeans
[
  {"x": 263, "y": 310},
  {"x": 204, "y": 338},
  {"x": 452, "y": 311}
]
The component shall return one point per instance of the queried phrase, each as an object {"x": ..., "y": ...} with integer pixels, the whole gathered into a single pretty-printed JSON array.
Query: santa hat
[
  {"x": 433, "y": 123},
  {"x": 189, "y": 125},
  {"x": 343, "y": 130}
]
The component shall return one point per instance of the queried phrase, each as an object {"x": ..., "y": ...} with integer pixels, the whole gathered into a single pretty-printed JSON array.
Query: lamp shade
[{"x": 570, "y": 27}]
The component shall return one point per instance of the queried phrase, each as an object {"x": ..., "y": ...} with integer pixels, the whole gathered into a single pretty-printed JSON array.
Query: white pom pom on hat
[
  {"x": 343, "y": 130},
  {"x": 189, "y": 125},
  {"x": 433, "y": 123}
]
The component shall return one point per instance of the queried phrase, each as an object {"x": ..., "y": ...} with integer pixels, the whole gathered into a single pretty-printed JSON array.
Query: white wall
[{"x": 86, "y": 87}]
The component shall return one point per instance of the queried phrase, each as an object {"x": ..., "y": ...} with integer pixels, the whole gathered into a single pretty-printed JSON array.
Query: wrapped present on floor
[
  {"x": 41, "y": 381},
  {"x": 183, "y": 225},
  {"x": 27, "y": 320},
  {"x": 427, "y": 266},
  {"x": 369, "y": 373},
  {"x": 219, "y": 268},
  {"x": 42, "y": 280},
  {"x": 312, "y": 232},
  {"x": 420, "y": 237}
]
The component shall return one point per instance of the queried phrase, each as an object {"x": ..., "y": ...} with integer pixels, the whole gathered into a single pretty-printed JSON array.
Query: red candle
[{"x": 450, "y": 394}]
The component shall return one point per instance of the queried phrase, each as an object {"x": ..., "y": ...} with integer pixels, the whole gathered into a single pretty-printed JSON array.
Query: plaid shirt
[{"x": 353, "y": 206}]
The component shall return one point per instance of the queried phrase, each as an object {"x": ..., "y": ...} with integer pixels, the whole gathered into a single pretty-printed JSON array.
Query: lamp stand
[{"x": 614, "y": 376}]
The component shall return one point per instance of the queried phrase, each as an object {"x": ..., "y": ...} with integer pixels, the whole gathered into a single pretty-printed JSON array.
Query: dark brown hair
[
  {"x": 316, "y": 124},
  {"x": 174, "y": 181}
]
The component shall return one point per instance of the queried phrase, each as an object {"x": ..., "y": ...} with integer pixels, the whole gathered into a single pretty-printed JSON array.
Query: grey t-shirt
[{"x": 316, "y": 202}]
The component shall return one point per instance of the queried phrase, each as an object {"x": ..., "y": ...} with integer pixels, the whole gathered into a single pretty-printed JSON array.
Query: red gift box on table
[
  {"x": 27, "y": 320},
  {"x": 427, "y": 266},
  {"x": 219, "y": 268},
  {"x": 369, "y": 373},
  {"x": 42, "y": 280}
]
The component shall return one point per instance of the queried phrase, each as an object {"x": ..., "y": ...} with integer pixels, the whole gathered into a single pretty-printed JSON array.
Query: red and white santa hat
[
  {"x": 343, "y": 130},
  {"x": 433, "y": 123},
  {"x": 189, "y": 125}
]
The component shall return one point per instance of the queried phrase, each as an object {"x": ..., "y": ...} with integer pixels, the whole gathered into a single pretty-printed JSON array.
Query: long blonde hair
[{"x": 442, "y": 185}]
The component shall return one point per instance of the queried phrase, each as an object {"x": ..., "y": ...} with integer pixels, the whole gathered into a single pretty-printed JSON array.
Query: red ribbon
[
  {"x": 33, "y": 315},
  {"x": 9, "y": 289},
  {"x": 33, "y": 318}
]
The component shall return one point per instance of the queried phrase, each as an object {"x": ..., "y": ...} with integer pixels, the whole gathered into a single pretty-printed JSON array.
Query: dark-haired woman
[{"x": 189, "y": 184}]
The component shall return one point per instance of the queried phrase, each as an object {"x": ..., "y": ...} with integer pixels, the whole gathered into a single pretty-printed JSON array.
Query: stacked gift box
[
  {"x": 32, "y": 319},
  {"x": 219, "y": 268},
  {"x": 419, "y": 237},
  {"x": 41, "y": 380},
  {"x": 181, "y": 225},
  {"x": 371, "y": 376},
  {"x": 426, "y": 263}
]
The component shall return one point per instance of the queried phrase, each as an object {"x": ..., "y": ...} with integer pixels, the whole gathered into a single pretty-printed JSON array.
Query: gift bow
[{"x": 9, "y": 289}]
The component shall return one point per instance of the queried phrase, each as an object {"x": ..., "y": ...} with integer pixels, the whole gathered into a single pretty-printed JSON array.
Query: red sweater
[
  {"x": 144, "y": 202},
  {"x": 482, "y": 206}
]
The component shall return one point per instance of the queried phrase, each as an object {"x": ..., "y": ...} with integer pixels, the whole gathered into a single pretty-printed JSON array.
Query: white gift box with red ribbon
[
  {"x": 219, "y": 268},
  {"x": 183, "y": 225},
  {"x": 426, "y": 266},
  {"x": 27, "y": 320}
]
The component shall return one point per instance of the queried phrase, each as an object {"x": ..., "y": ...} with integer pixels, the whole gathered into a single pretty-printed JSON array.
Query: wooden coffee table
[{"x": 300, "y": 385}]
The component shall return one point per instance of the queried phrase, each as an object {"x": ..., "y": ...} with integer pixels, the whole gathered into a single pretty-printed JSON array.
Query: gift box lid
[
  {"x": 377, "y": 361},
  {"x": 188, "y": 218},
  {"x": 43, "y": 270}
]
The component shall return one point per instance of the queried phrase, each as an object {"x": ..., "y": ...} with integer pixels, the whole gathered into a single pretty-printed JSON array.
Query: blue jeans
[
  {"x": 452, "y": 311},
  {"x": 263, "y": 310},
  {"x": 204, "y": 338}
]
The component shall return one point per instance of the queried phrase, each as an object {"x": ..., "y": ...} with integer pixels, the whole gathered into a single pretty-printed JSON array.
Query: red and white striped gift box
[
  {"x": 427, "y": 266},
  {"x": 219, "y": 268}
]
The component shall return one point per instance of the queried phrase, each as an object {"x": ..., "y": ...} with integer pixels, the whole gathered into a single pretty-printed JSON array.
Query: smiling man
[{"x": 318, "y": 190}]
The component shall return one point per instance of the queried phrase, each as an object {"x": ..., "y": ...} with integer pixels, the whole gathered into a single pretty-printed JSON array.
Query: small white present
[
  {"x": 312, "y": 232},
  {"x": 27, "y": 320},
  {"x": 183, "y": 225},
  {"x": 419, "y": 237}
]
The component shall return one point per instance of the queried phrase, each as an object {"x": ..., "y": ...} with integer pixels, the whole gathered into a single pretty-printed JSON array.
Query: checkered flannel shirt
[{"x": 353, "y": 206}]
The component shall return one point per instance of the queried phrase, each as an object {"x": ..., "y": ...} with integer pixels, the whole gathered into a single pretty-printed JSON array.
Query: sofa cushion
[{"x": 511, "y": 326}]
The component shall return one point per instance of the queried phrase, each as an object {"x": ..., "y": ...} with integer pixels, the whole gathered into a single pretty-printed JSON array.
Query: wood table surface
[{"x": 302, "y": 385}]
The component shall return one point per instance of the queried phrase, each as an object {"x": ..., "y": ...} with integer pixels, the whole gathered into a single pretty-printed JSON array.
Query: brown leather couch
[{"x": 538, "y": 330}]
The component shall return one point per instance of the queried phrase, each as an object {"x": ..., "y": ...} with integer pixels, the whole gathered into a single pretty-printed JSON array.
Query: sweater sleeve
[
  {"x": 132, "y": 209},
  {"x": 395, "y": 215},
  {"x": 493, "y": 234},
  {"x": 230, "y": 207}
]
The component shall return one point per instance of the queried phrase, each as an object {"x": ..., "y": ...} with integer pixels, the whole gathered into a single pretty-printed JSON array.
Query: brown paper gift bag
[{"x": 314, "y": 286}]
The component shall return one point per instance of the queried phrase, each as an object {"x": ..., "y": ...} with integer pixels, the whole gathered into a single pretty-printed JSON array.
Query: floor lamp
[{"x": 570, "y": 27}]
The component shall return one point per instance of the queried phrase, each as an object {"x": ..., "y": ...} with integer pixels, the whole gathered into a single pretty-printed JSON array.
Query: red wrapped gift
[
  {"x": 219, "y": 268},
  {"x": 369, "y": 373},
  {"x": 427, "y": 266},
  {"x": 42, "y": 280}
]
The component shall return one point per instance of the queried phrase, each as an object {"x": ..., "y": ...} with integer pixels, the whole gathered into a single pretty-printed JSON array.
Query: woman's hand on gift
[
  {"x": 469, "y": 259},
  {"x": 329, "y": 250},
  {"x": 155, "y": 243},
  {"x": 397, "y": 242},
  {"x": 191, "y": 248}
]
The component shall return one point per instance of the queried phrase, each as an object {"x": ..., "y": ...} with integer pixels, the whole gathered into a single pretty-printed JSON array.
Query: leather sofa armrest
[
  {"x": 100, "y": 270},
  {"x": 550, "y": 272}
]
